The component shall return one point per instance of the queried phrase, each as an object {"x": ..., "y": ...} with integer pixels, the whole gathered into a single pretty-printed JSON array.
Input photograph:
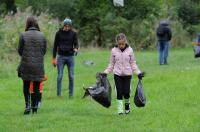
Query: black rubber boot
[
  {"x": 27, "y": 109},
  {"x": 39, "y": 100},
  {"x": 34, "y": 110},
  {"x": 27, "y": 98},
  {"x": 34, "y": 103},
  {"x": 127, "y": 108}
]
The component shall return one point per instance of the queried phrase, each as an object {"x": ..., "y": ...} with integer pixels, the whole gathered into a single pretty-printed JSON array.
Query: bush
[
  {"x": 180, "y": 37},
  {"x": 12, "y": 26},
  {"x": 188, "y": 12}
]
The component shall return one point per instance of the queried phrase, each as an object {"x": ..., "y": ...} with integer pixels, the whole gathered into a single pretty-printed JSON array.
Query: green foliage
[
  {"x": 12, "y": 26},
  {"x": 143, "y": 33},
  {"x": 111, "y": 26},
  {"x": 180, "y": 36},
  {"x": 7, "y": 6},
  {"x": 2, "y": 8},
  {"x": 37, "y": 6},
  {"x": 97, "y": 22},
  {"x": 22, "y": 4},
  {"x": 61, "y": 9},
  {"x": 140, "y": 8},
  {"x": 189, "y": 12},
  {"x": 90, "y": 20}
]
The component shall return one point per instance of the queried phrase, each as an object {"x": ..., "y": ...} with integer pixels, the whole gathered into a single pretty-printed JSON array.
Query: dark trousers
[
  {"x": 122, "y": 84},
  {"x": 31, "y": 97}
]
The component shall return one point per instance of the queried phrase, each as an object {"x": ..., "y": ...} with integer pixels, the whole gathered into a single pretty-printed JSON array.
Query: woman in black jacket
[{"x": 32, "y": 48}]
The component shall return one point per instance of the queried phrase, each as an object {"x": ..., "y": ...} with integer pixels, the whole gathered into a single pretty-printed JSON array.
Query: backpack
[
  {"x": 198, "y": 39},
  {"x": 160, "y": 31},
  {"x": 197, "y": 47}
]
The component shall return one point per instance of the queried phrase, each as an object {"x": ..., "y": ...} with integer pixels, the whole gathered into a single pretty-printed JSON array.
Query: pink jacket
[{"x": 122, "y": 63}]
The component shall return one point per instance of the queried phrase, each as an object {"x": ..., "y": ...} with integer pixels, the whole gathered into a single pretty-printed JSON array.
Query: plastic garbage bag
[
  {"x": 139, "y": 98},
  {"x": 88, "y": 63},
  {"x": 118, "y": 3},
  {"x": 101, "y": 92},
  {"x": 196, "y": 51}
]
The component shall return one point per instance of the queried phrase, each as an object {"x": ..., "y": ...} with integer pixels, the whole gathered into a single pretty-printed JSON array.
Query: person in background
[
  {"x": 164, "y": 35},
  {"x": 198, "y": 40},
  {"x": 32, "y": 48},
  {"x": 65, "y": 47},
  {"x": 197, "y": 47},
  {"x": 123, "y": 65}
]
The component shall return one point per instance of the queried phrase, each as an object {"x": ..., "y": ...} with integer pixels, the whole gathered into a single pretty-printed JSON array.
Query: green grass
[{"x": 172, "y": 97}]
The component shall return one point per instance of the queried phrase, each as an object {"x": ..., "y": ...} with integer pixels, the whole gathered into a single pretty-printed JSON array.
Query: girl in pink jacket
[{"x": 123, "y": 65}]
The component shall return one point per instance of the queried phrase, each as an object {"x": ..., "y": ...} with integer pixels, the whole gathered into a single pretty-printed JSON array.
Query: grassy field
[{"x": 173, "y": 97}]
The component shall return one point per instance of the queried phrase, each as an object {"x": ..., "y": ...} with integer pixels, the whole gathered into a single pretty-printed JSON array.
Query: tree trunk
[{"x": 99, "y": 36}]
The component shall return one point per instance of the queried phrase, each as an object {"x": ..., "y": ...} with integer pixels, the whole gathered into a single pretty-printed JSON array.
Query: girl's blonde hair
[{"x": 120, "y": 36}]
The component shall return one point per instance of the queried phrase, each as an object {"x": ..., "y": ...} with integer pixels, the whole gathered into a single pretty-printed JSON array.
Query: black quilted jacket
[{"x": 32, "y": 48}]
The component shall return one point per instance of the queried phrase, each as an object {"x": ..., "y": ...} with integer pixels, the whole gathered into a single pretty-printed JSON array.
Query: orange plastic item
[
  {"x": 54, "y": 61},
  {"x": 31, "y": 87},
  {"x": 41, "y": 86},
  {"x": 45, "y": 78}
]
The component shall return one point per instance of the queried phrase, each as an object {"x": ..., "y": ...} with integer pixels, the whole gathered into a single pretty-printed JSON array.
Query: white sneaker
[
  {"x": 127, "y": 108},
  {"x": 39, "y": 104},
  {"x": 127, "y": 111}
]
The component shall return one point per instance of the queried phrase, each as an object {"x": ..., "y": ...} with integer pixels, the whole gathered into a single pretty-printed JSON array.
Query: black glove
[
  {"x": 103, "y": 74},
  {"x": 141, "y": 75}
]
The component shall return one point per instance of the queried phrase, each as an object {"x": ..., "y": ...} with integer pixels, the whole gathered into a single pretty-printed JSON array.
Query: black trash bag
[
  {"x": 101, "y": 92},
  {"x": 196, "y": 51},
  {"x": 139, "y": 98}
]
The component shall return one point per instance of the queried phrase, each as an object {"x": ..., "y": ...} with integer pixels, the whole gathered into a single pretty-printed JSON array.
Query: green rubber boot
[{"x": 120, "y": 107}]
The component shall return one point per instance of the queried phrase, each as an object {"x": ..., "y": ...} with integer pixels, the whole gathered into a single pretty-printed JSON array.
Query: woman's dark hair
[{"x": 31, "y": 22}]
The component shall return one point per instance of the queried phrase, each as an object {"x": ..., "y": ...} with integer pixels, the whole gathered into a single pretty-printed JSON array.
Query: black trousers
[
  {"x": 122, "y": 84},
  {"x": 33, "y": 97}
]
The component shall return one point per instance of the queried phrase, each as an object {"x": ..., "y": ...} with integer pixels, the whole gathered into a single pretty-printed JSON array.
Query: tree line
[{"x": 98, "y": 21}]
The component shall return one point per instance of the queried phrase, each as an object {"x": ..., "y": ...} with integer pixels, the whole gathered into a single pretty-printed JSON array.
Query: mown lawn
[{"x": 173, "y": 97}]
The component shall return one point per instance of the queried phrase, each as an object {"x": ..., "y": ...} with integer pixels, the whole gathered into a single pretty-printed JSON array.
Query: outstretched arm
[{"x": 56, "y": 41}]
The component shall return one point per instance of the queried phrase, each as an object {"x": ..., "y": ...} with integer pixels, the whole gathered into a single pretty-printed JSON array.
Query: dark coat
[
  {"x": 164, "y": 32},
  {"x": 32, "y": 48},
  {"x": 65, "y": 42}
]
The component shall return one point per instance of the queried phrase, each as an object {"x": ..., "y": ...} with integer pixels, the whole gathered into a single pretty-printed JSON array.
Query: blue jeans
[
  {"x": 69, "y": 61},
  {"x": 163, "y": 51}
]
